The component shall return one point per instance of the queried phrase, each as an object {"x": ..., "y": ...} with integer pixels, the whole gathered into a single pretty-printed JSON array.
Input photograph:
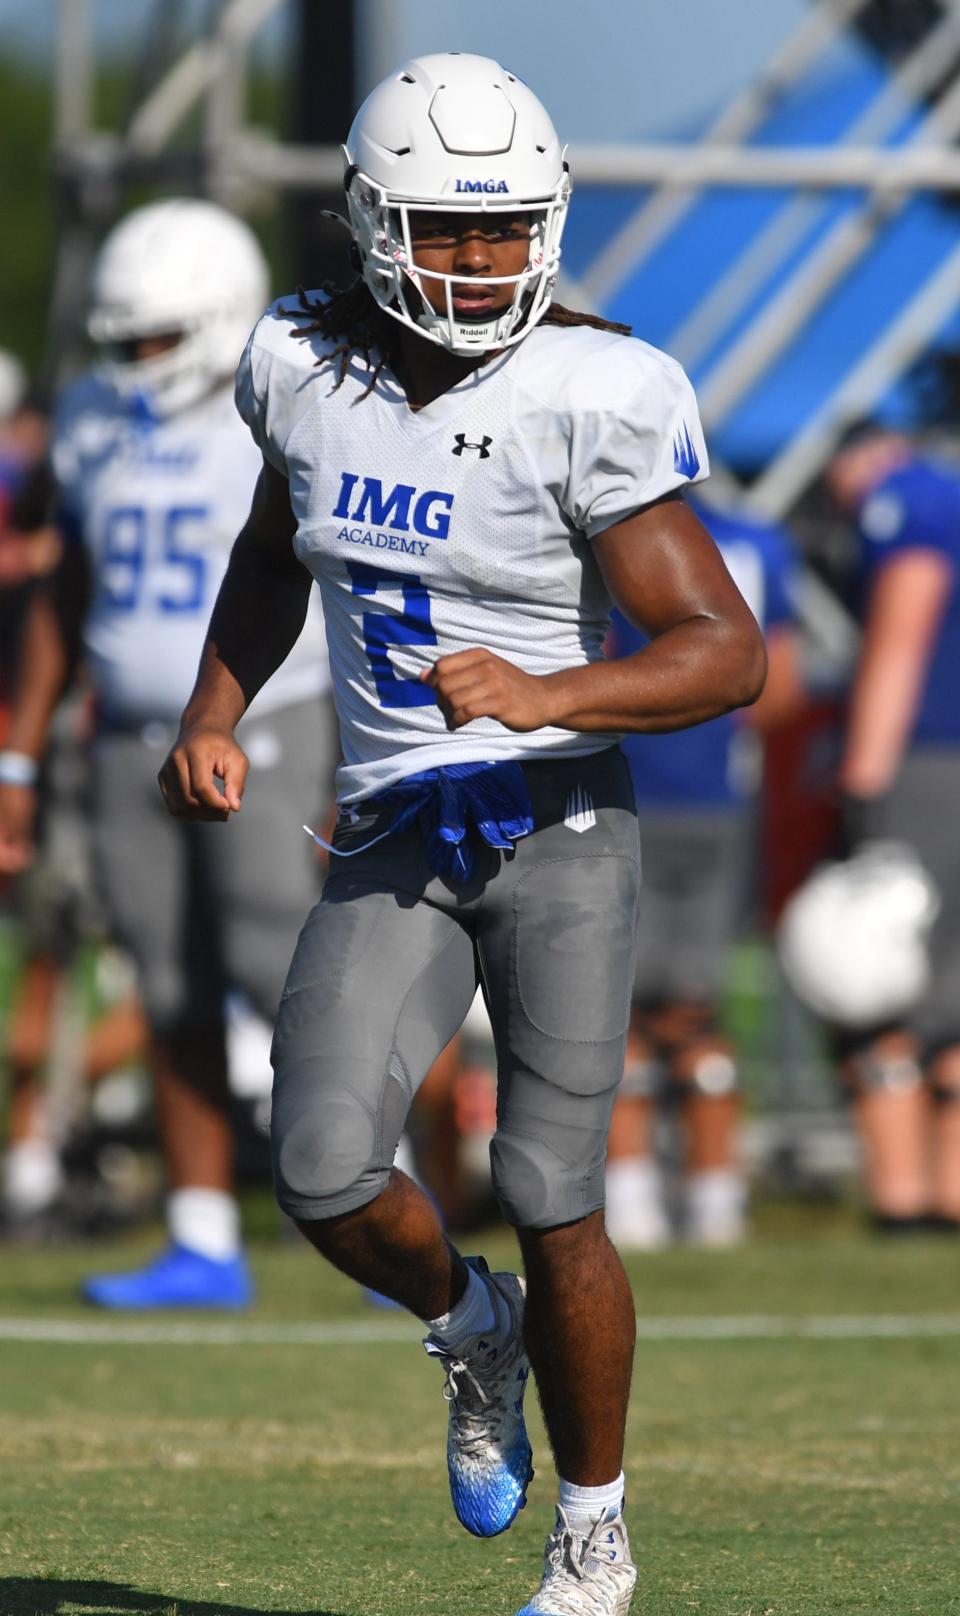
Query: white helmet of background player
[
  {"x": 180, "y": 267},
  {"x": 853, "y": 939},
  {"x": 458, "y": 134}
]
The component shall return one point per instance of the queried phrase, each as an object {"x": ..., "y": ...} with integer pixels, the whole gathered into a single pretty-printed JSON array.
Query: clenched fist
[
  {"x": 478, "y": 684},
  {"x": 204, "y": 774}
]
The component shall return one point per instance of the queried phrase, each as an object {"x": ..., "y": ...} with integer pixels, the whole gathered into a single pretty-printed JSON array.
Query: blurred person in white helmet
[
  {"x": 894, "y": 990},
  {"x": 154, "y": 473},
  {"x": 472, "y": 473}
]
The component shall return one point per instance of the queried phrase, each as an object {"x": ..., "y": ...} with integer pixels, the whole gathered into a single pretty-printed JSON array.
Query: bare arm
[
  {"x": 41, "y": 675},
  {"x": 705, "y": 655},
  {"x": 906, "y": 605},
  {"x": 257, "y": 619},
  {"x": 46, "y": 661}
]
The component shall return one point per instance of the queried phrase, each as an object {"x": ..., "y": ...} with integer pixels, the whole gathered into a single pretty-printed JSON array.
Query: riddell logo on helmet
[{"x": 481, "y": 185}]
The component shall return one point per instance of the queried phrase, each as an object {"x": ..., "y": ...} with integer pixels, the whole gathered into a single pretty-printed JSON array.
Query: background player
[
  {"x": 696, "y": 791},
  {"x": 469, "y": 487},
  {"x": 900, "y": 775},
  {"x": 155, "y": 474}
]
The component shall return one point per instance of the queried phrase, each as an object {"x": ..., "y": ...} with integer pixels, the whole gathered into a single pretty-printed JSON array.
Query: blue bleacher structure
[{"x": 702, "y": 285}]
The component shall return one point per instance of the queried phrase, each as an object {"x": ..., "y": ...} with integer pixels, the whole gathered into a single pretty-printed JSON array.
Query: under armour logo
[
  {"x": 685, "y": 457},
  {"x": 482, "y": 448}
]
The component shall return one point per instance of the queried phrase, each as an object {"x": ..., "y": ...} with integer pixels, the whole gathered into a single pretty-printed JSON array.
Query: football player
[
  {"x": 900, "y": 773},
  {"x": 472, "y": 473},
  {"x": 154, "y": 473}
]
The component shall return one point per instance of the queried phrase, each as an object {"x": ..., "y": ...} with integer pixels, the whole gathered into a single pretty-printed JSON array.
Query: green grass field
[{"x": 794, "y": 1443}]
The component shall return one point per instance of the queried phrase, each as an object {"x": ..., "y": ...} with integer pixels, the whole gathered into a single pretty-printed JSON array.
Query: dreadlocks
[{"x": 352, "y": 314}]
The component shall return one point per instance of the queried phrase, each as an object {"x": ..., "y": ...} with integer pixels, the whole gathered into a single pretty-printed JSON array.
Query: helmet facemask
[
  {"x": 381, "y": 224},
  {"x": 170, "y": 381}
]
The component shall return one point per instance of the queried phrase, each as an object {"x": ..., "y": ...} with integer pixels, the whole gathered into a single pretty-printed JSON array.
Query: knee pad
[
  {"x": 714, "y": 1076},
  {"x": 331, "y": 1152},
  {"x": 873, "y": 1073},
  {"x": 537, "y": 1188}
]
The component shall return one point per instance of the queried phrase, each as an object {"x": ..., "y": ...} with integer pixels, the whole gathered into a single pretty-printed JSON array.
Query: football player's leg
[
  {"x": 31, "y": 1177},
  {"x": 150, "y": 871},
  {"x": 557, "y": 956},
  {"x": 379, "y": 983},
  {"x": 884, "y": 1079},
  {"x": 636, "y": 1203},
  {"x": 938, "y": 1025},
  {"x": 928, "y": 779},
  {"x": 944, "y": 1074},
  {"x": 697, "y": 859},
  {"x": 902, "y": 1079}
]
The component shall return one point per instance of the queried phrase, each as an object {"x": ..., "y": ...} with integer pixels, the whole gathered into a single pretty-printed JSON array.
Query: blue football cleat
[
  {"x": 179, "y": 1277},
  {"x": 488, "y": 1452}
]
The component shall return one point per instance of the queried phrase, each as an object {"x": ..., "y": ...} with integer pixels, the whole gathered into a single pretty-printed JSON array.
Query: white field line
[{"x": 381, "y": 1332}]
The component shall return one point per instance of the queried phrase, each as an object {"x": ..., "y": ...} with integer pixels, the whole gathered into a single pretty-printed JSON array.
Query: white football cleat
[
  {"x": 586, "y": 1573},
  {"x": 488, "y": 1451}
]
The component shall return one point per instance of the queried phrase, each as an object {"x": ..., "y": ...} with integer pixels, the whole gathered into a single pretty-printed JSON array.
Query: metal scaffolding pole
[
  {"x": 73, "y": 87},
  {"x": 862, "y": 168},
  {"x": 82, "y": 198}
]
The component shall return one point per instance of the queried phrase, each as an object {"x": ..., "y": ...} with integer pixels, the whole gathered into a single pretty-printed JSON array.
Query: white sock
[
  {"x": 634, "y": 1182},
  {"x": 474, "y": 1314},
  {"x": 636, "y": 1212},
  {"x": 32, "y": 1177},
  {"x": 203, "y": 1220},
  {"x": 716, "y": 1206},
  {"x": 585, "y": 1505}
]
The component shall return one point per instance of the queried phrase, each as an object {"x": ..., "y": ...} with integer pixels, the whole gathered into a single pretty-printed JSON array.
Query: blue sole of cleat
[{"x": 476, "y": 1532}]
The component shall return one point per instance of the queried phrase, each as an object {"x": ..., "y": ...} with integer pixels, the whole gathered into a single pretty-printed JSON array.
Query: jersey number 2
[{"x": 381, "y": 629}]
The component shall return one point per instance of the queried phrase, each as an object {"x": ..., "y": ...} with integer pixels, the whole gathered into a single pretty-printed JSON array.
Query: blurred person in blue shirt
[
  {"x": 900, "y": 782},
  {"x": 694, "y": 792}
]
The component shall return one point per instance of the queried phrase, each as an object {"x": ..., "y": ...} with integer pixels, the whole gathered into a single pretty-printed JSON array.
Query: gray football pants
[
  {"x": 206, "y": 907},
  {"x": 387, "y": 966}
]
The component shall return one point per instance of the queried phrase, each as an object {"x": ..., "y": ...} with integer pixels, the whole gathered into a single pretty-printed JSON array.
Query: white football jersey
[
  {"x": 158, "y": 504},
  {"x": 466, "y": 523}
]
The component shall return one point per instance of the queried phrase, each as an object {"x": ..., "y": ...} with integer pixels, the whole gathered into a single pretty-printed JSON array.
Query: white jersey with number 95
[{"x": 158, "y": 504}]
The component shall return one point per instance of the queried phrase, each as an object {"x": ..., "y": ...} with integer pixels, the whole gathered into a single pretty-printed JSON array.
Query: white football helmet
[
  {"x": 180, "y": 266},
  {"x": 853, "y": 939},
  {"x": 459, "y": 134}
]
